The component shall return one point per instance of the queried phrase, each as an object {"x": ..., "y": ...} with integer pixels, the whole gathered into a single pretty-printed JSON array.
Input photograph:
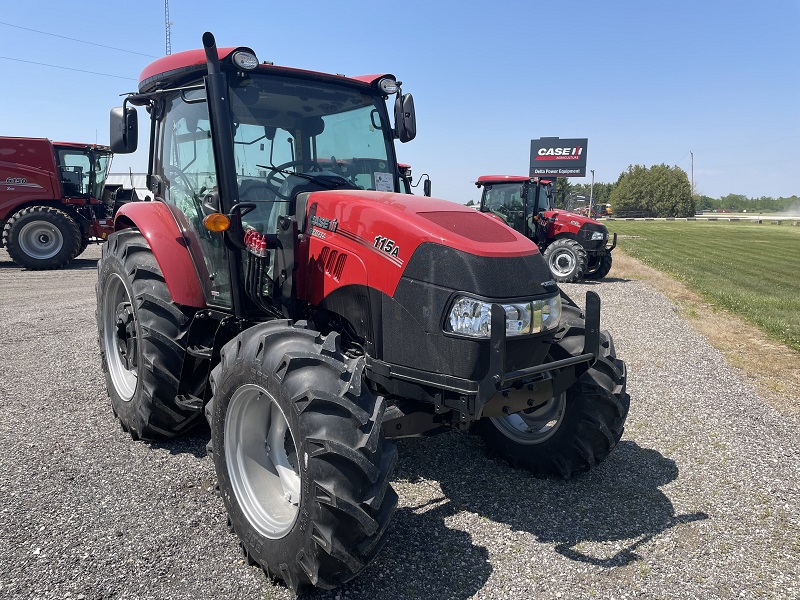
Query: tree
[
  {"x": 471, "y": 203},
  {"x": 563, "y": 191},
  {"x": 661, "y": 191}
]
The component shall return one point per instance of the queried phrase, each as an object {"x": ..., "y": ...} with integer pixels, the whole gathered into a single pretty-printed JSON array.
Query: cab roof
[
  {"x": 484, "y": 179},
  {"x": 183, "y": 65}
]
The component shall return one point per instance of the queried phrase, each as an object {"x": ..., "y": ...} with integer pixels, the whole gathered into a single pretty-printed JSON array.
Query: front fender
[{"x": 156, "y": 223}]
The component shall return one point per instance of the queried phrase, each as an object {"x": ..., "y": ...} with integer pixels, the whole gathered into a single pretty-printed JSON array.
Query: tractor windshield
[
  {"x": 287, "y": 132},
  {"x": 506, "y": 200}
]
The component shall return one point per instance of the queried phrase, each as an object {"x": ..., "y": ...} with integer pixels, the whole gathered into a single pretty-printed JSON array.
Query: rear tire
[
  {"x": 603, "y": 267},
  {"x": 142, "y": 336},
  {"x": 566, "y": 259},
  {"x": 42, "y": 237},
  {"x": 302, "y": 463},
  {"x": 574, "y": 431}
]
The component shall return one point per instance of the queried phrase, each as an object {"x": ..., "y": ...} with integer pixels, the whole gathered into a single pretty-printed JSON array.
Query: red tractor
[
  {"x": 53, "y": 201},
  {"x": 573, "y": 245},
  {"x": 282, "y": 287}
]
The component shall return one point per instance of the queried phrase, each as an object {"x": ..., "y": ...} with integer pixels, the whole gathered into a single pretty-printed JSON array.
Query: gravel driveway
[{"x": 700, "y": 499}]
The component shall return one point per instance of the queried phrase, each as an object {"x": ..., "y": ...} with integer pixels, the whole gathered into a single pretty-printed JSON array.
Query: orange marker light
[{"x": 217, "y": 222}]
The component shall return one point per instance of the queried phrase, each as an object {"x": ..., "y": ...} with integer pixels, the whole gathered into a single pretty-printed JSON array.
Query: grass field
[{"x": 751, "y": 269}]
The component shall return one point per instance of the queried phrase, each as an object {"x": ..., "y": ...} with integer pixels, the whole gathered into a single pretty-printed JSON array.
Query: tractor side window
[
  {"x": 355, "y": 139},
  {"x": 74, "y": 170},
  {"x": 190, "y": 180}
]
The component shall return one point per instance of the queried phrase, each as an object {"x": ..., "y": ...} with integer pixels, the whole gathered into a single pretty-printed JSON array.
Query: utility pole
[
  {"x": 167, "y": 27},
  {"x": 591, "y": 193},
  {"x": 692, "y": 155}
]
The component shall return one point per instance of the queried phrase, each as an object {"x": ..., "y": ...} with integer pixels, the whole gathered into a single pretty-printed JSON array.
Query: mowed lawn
[{"x": 748, "y": 268}]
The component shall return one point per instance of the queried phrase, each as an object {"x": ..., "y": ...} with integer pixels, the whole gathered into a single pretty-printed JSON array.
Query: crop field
[{"x": 750, "y": 269}]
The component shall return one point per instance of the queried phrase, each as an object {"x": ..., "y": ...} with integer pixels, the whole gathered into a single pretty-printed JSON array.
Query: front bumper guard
[{"x": 502, "y": 393}]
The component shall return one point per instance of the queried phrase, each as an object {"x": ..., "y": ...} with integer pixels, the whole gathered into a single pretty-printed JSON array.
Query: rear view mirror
[
  {"x": 426, "y": 187},
  {"x": 405, "y": 119},
  {"x": 124, "y": 130}
]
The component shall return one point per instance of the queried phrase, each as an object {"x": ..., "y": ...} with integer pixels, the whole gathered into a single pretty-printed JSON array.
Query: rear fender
[{"x": 156, "y": 223}]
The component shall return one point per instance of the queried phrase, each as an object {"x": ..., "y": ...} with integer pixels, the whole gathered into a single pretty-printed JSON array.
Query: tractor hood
[
  {"x": 409, "y": 221},
  {"x": 383, "y": 230},
  {"x": 572, "y": 219}
]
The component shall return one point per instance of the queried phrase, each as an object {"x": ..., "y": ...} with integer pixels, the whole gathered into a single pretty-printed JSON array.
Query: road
[{"x": 701, "y": 499}]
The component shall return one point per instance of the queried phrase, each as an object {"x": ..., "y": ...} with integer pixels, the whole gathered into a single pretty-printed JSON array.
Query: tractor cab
[
  {"x": 519, "y": 202},
  {"x": 82, "y": 169},
  {"x": 239, "y": 150}
]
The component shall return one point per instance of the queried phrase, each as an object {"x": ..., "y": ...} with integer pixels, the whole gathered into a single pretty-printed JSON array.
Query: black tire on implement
[
  {"x": 42, "y": 237},
  {"x": 566, "y": 259},
  {"x": 574, "y": 431},
  {"x": 302, "y": 463},
  {"x": 603, "y": 267},
  {"x": 142, "y": 337},
  {"x": 83, "y": 246}
]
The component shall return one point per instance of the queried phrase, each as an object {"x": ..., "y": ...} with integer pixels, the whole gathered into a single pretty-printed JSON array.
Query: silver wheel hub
[
  {"x": 119, "y": 338},
  {"x": 40, "y": 240},
  {"x": 562, "y": 262},
  {"x": 535, "y": 425},
  {"x": 263, "y": 463}
]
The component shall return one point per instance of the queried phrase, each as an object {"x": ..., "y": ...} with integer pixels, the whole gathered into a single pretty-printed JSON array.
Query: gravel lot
[{"x": 701, "y": 498}]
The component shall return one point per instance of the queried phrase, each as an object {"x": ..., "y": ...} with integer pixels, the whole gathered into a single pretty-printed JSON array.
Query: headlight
[
  {"x": 598, "y": 235},
  {"x": 473, "y": 318}
]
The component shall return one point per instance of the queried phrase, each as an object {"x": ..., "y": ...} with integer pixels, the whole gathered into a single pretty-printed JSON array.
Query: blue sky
[{"x": 646, "y": 82}]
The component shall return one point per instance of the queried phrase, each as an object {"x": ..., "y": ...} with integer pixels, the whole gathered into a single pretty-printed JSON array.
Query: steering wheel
[
  {"x": 292, "y": 163},
  {"x": 175, "y": 174}
]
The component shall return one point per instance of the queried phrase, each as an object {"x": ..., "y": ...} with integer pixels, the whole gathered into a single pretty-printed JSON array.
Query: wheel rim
[
  {"x": 40, "y": 240},
  {"x": 261, "y": 456},
  {"x": 535, "y": 425},
  {"x": 119, "y": 337},
  {"x": 562, "y": 262}
]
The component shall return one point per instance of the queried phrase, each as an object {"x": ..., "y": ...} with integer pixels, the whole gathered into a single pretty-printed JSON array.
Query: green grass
[{"x": 751, "y": 269}]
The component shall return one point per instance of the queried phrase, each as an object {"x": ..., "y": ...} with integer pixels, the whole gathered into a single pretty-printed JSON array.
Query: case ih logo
[
  {"x": 559, "y": 153},
  {"x": 554, "y": 157}
]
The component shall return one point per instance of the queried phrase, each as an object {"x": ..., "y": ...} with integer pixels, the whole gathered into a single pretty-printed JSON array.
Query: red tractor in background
[
  {"x": 573, "y": 245},
  {"x": 281, "y": 286},
  {"x": 53, "y": 199}
]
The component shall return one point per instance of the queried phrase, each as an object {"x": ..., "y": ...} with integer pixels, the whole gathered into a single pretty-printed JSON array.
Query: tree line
[{"x": 663, "y": 191}]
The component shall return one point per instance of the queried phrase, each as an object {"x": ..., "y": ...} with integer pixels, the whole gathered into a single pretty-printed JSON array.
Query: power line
[
  {"x": 67, "y": 68},
  {"x": 77, "y": 40}
]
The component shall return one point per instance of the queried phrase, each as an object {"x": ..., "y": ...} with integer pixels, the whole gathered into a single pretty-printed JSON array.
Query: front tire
[
  {"x": 41, "y": 237},
  {"x": 602, "y": 269},
  {"x": 566, "y": 259},
  {"x": 572, "y": 432},
  {"x": 142, "y": 335},
  {"x": 302, "y": 463}
]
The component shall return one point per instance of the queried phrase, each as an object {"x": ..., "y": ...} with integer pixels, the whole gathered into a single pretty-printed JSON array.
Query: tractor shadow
[
  {"x": 193, "y": 443},
  {"x": 619, "y": 501},
  {"x": 594, "y": 282},
  {"x": 79, "y": 264},
  {"x": 599, "y": 518}
]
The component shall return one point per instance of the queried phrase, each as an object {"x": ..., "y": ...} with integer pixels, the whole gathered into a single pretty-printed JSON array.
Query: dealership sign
[{"x": 554, "y": 157}]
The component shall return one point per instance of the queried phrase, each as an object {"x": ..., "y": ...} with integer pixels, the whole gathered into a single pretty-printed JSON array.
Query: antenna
[{"x": 167, "y": 27}]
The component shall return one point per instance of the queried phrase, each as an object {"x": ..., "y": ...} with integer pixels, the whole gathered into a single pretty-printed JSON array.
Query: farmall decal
[{"x": 555, "y": 157}]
